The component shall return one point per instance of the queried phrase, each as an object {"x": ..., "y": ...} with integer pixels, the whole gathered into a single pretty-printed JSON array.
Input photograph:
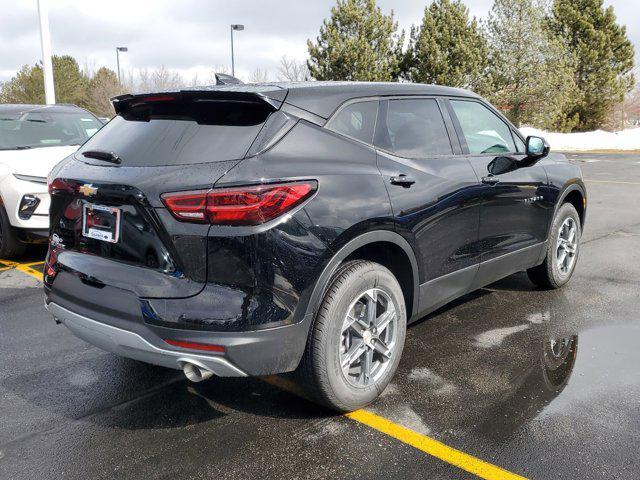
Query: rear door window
[
  {"x": 483, "y": 130},
  {"x": 356, "y": 120},
  {"x": 414, "y": 128}
]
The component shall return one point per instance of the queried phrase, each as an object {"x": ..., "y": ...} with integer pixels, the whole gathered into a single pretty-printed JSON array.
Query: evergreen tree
[
  {"x": 448, "y": 48},
  {"x": 28, "y": 85},
  {"x": 25, "y": 87},
  {"x": 531, "y": 73},
  {"x": 103, "y": 85},
  {"x": 358, "y": 42},
  {"x": 603, "y": 53}
]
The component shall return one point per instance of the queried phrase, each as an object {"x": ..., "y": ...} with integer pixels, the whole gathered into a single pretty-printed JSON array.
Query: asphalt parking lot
[{"x": 472, "y": 398}]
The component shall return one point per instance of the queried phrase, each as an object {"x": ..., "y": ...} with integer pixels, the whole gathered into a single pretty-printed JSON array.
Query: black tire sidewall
[
  {"x": 2, "y": 231},
  {"x": 10, "y": 246},
  {"x": 345, "y": 290},
  {"x": 5, "y": 232}
]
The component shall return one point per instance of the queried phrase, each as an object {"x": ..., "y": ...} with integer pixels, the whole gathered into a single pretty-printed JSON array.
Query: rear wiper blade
[
  {"x": 102, "y": 155},
  {"x": 22, "y": 147}
]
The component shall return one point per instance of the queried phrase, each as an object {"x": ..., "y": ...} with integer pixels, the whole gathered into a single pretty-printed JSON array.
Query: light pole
[
  {"x": 118, "y": 50},
  {"x": 45, "y": 42},
  {"x": 234, "y": 26}
]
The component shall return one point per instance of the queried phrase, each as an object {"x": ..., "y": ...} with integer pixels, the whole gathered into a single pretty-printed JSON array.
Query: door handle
[
  {"x": 490, "y": 180},
  {"x": 402, "y": 180}
]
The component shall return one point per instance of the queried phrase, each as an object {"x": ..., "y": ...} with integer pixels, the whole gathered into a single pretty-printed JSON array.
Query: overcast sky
[{"x": 192, "y": 36}]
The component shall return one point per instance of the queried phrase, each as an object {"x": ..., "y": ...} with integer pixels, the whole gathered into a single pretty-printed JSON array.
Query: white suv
[{"x": 33, "y": 139}]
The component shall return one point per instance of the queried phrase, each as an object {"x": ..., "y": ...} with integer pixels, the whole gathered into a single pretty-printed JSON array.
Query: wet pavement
[{"x": 543, "y": 384}]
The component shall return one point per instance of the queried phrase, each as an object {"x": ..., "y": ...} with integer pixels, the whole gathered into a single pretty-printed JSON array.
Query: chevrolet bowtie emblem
[{"x": 88, "y": 190}]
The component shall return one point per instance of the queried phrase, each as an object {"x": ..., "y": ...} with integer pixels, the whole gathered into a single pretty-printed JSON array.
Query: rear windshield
[
  {"x": 178, "y": 133},
  {"x": 45, "y": 129}
]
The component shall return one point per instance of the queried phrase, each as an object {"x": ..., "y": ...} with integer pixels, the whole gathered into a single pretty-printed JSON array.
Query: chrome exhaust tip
[{"x": 195, "y": 373}]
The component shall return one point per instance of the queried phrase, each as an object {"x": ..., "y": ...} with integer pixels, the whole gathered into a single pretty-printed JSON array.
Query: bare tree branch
[{"x": 292, "y": 70}]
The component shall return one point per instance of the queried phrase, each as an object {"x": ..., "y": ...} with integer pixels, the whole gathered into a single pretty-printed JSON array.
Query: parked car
[
  {"x": 299, "y": 226},
  {"x": 33, "y": 138}
]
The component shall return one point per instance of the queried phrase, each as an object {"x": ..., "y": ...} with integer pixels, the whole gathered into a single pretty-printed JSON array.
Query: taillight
[
  {"x": 60, "y": 185},
  {"x": 187, "y": 206},
  {"x": 250, "y": 205},
  {"x": 50, "y": 263}
]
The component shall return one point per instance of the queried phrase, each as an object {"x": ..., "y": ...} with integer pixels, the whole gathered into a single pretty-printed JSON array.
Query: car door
[
  {"x": 515, "y": 214},
  {"x": 434, "y": 194}
]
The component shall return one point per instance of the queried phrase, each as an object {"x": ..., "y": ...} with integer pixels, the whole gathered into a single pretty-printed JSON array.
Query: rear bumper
[
  {"x": 131, "y": 345},
  {"x": 252, "y": 353}
]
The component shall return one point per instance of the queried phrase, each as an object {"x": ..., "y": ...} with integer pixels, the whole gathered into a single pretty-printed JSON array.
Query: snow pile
[{"x": 599, "y": 140}]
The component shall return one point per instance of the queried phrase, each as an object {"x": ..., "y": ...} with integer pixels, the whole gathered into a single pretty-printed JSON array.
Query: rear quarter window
[{"x": 356, "y": 120}]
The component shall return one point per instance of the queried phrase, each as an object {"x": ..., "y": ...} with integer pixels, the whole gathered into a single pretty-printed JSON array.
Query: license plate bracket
[{"x": 101, "y": 222}]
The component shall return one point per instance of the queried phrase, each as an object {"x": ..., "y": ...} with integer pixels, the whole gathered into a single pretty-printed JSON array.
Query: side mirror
[{"x": 537, "y": 147}]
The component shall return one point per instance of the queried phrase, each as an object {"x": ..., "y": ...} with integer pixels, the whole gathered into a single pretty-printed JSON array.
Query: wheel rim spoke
[
  {"x": 383, "y": 321},
  {"x": 562, "y": 257},
  {"x": 372, "y": 304},
  {"x": 354, "y": 353},
  {"x": 367, "y": 362},
  {"x": 355, "y": 324},
  {"x": 381, "y": 348}
]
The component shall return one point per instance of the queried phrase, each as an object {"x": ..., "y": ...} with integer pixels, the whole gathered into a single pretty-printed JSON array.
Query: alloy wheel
[
  {"x": 567, "y": 246},
  {"x": 368, "y": 338}
]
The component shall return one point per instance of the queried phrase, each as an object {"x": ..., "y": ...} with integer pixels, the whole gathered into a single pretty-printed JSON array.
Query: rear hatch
[{"x": 109, "y": 225}]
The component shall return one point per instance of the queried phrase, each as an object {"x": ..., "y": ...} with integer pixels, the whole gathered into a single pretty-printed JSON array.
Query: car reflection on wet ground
[{"x": 544, "y": 384}]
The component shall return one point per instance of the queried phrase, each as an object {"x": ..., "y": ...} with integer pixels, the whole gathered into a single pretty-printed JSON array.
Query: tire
[
  {"x": 10, "y": 246},
  {"x": 550, "y": 273},
  {"x": 352, "y": 290}
]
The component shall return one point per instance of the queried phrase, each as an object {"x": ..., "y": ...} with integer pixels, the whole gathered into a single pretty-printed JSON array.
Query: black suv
[{"x": 259, "y": 229}]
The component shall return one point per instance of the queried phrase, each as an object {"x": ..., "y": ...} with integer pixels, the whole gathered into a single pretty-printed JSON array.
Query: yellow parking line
[
  {"x": 611, "y": 181},
  {"x": 23, "y": 267},
  {"x": 433, "y": 447},
  {"x": 6, "y": 265},
  {"x": 26, "y": 268},
  {"x": 428, "y": 445}
]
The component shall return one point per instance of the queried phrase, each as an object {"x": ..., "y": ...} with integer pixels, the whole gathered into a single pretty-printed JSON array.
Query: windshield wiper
[
  {"x": 102, "y": 155},
  {"x": 22, "y": 147}
]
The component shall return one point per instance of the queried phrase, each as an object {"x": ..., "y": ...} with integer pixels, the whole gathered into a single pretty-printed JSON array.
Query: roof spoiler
[
  {"x": 224, "y": 79},
  {"x": 273, "y": 99}
]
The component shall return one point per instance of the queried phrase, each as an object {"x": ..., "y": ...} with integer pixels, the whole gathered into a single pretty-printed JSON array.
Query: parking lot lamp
[
  {"x": 238, "y": 27},
  {"x": 118, "y": 50}
]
